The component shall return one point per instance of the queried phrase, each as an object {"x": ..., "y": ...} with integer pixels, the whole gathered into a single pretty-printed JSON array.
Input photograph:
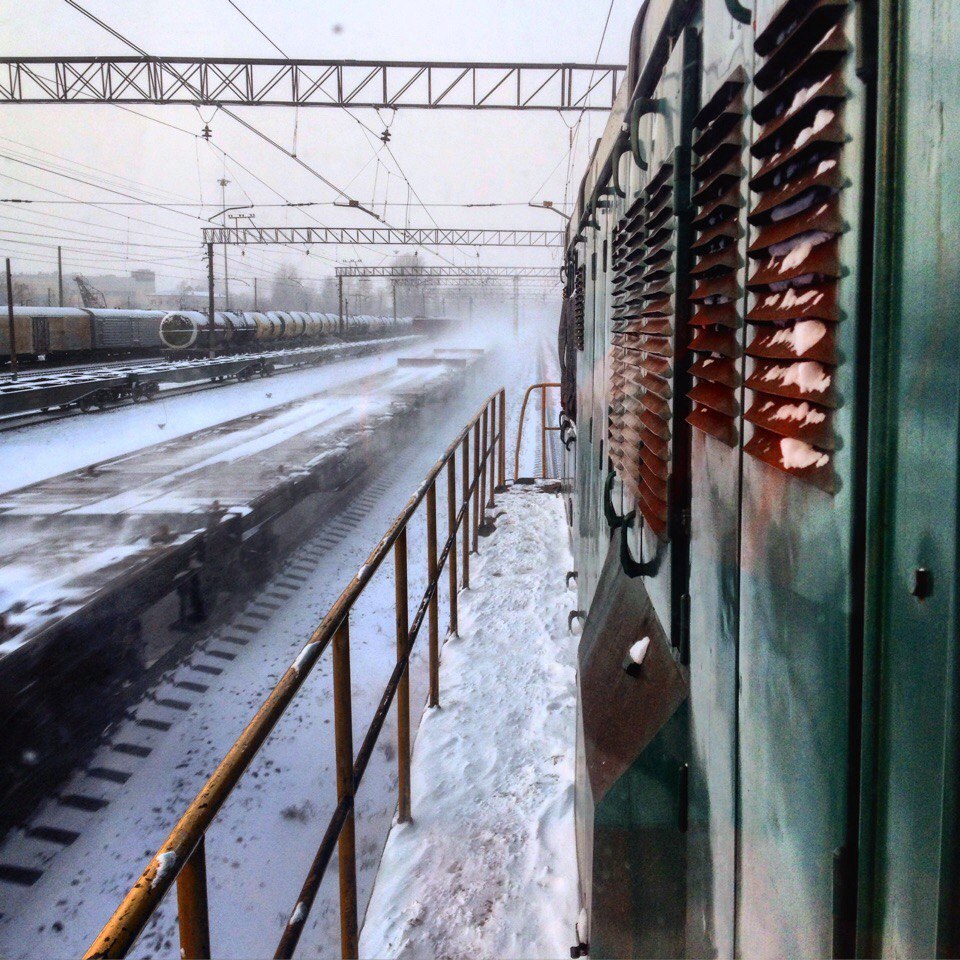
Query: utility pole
[
  {"x": 226, "y": 279},
  {"x": 516, "y": 306},
  {"x": 340, "y": 291},
  {"x": 210, "y": 305},
  {"x": 394, "y": 301},
  {"x": 11, "y": 326},
  {"x": 60, "y": 272},
  {"x": 255, "y": 301}
]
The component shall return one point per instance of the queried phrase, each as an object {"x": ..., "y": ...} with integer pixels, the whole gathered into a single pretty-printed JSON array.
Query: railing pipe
[
  {"x": 403, "y": 688},
  {"x": 434, "y": 606},
  {"x": 347, "y": 847},
  {"x": 492, "y": 466},
  {"x": 544, "y": 429},
  {"x": 452, "y": 535},
  {"x": 476, "y": 488},
  {"x": 175, "y": 854},
  {"x": 502, "y": 466},
  {"x": 465, "y": 457},
  {"x": 192, "y": 906},
  {"x": 485, "y": 450},
  {"x": 543, "y": 432}
]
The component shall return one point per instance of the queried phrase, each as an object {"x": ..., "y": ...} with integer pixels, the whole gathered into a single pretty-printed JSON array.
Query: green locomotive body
[{"x": 765, "y": 274}]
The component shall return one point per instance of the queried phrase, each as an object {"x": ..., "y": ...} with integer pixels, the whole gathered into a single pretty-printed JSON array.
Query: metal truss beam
[
  {"x": 448, "y": 273},
  {"x": 229, "y": 81},
  {"x": 390, "y": 236},
  {"x": 488, "y": 283}
]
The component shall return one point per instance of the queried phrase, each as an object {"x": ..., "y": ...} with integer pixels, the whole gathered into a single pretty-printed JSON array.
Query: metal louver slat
[
  {"x": 799, "y": 142},
  {"x": 718, "y": 176}
]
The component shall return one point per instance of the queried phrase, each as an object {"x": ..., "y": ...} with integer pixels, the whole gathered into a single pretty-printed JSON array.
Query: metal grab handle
[
  {"x": 641, "y": 107},
  {"x": 738, "y": 11},
  {"x": 619, "y": 148},
  {"x": 631, "y": 567},
  {"x": 613, "y": 518}
]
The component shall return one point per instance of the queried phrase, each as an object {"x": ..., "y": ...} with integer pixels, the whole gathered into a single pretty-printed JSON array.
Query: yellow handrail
[
  {"x": 544, "y": 429},
  {"x": 181, "y": 856}
]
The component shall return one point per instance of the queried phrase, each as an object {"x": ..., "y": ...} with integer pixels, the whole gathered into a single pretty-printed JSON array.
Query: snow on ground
[{"x": 487, "y": 868}]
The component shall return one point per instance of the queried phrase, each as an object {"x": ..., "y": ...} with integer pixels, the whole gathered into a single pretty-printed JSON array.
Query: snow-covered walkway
[{"x": 487, "y": 868}]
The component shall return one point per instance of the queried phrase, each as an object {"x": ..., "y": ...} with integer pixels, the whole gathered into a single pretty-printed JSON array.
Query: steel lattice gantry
[
  {"x": 448, "y": 273},
  {"x": 229, "y": 81},
  {"x": 390, "y": 236}
]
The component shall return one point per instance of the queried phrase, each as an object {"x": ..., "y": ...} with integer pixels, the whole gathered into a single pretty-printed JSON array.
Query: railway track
[{"x": 73, "y": 384}]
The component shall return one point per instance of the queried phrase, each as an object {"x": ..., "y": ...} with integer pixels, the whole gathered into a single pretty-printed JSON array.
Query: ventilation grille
[
  {"x": 643, "y": 343},
  {"x": 625, "y": 373},
  {"x": 579, "y": 282},
  {"x": 718, "y": 176},
  {"x": 799, "y": 143}
]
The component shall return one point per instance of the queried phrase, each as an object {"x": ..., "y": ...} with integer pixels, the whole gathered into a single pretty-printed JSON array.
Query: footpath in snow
[{"x": 487, "y": 868}]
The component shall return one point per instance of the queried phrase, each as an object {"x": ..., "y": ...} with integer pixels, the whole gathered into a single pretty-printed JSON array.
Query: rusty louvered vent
[
  {"x": 644, "y": 327},
  {"x": 623, "y": 427},
  {"x": 718, "y": 176},
  {"x": 799, "y": 140},
  {"x": 579, "y": 282}
]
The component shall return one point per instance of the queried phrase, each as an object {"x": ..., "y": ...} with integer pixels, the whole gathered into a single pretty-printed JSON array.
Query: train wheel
[
  {"x": 86, "y": 403},
  {"x": 139, "y": 393},
  {"x": 266, "y": 369}
]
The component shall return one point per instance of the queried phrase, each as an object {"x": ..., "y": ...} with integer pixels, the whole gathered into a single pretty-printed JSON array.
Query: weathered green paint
[
  {"x": 714, "y": 605},
  {"x": 910, "y": 900}
]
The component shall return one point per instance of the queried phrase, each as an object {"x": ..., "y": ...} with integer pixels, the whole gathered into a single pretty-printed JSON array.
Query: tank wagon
[
  {"x": 761, "y": 416},
  {"x": 61, "y": 333}
]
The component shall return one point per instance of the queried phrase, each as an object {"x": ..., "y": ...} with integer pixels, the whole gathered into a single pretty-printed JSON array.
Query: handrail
[
  {"x": 181, "y": 856},
  {"x": 544, "y": 429}
]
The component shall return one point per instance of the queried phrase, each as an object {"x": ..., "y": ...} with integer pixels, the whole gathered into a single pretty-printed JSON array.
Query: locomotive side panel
[{"x": 801, "y": 485}]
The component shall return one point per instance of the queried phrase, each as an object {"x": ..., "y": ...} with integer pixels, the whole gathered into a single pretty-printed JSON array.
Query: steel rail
[{"x": 181, "y": 857}]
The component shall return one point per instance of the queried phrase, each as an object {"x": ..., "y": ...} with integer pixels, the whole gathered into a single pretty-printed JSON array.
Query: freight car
[
  {"x": 761, "y": 416},
  {"x": 55, "y": 334}
]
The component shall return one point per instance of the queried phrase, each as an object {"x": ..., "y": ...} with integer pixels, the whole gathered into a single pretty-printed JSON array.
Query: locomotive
[
  {"x": 761, "y": 476},
  {"x": 71, "y": 333}
]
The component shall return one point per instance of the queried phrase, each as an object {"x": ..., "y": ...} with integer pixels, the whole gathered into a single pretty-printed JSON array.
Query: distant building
[{"x": 40, "y": 289}]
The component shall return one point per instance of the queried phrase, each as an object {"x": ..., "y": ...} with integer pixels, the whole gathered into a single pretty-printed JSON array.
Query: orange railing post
[
  {"x": 347, "y": 847},
  {"x": 482, "y": 466},
  {"x": 452, "y": 536},
  {"x": 465, "y": 469},
  {"x": 491, "y": 467},
  {"x": 476, "y": 486},
  {"x": 502, "y": 466},
  {"x": 432, "y": 579},
  {"x": 192, "y": 906},
  {"x": 403, "y": 687}
]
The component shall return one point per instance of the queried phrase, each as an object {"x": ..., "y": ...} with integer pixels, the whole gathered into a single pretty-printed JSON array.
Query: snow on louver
[{"x": 799, "y": 142}]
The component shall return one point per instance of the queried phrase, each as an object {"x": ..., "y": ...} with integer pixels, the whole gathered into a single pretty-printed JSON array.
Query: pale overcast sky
[{"x": 449, "y": 157}]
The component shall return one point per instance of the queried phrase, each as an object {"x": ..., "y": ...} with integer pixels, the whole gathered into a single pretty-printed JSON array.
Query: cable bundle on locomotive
[{"x": 760, "y": 411}]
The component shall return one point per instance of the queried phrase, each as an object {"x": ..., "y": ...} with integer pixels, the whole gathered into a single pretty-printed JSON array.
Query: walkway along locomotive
[{"x": 761, "y": 415}]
